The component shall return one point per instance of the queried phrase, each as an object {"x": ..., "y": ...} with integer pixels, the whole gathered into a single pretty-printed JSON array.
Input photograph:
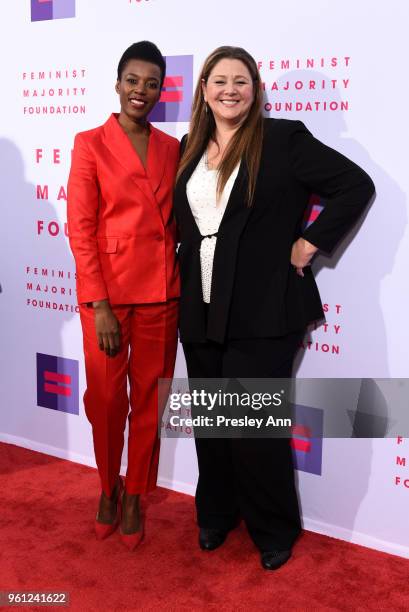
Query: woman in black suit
[{"x": 248, "y": 291}]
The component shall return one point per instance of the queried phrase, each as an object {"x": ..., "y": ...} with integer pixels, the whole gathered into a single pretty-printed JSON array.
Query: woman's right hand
[
  {"x": 107, "y": 328},
  {"x": 301, "y": 254}
]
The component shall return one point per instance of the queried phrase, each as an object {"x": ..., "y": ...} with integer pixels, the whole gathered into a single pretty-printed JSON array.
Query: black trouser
[{"x": 247, "y": 477}]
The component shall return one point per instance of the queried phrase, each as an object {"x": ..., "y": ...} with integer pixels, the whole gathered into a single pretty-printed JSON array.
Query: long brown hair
[{"x": 246, "y": 143}]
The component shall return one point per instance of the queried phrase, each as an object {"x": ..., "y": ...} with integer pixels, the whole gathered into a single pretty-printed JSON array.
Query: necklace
[{"x": 206, "y": 163}]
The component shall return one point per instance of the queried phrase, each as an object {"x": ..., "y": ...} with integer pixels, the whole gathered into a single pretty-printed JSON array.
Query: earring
[{"x": 206, "y": 107}]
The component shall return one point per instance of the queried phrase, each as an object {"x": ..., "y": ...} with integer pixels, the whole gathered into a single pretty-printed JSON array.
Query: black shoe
[
  {"x": 209, "y": 539},
  {"x": 273, "y": 559}
]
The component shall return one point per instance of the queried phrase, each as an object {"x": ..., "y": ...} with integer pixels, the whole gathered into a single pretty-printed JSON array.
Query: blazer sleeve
[
  {"x": 346, "y": 188},
  {"x": 82, "y": 217}
]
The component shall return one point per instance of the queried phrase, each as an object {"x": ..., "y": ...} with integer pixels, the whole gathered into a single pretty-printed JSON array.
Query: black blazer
[{"x": 255, "y": 290}]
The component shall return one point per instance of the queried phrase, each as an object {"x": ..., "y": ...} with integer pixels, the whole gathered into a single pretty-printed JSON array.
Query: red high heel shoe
[
  {"x": 132, "y": 540},
  {"x": 104, "y": 530}
]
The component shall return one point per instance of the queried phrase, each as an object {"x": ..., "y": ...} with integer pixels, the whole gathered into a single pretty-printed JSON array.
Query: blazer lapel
[
  {"x": 183, "y": 210},
  {"x": 224, "y": 265},
  {"x": 236, "y": 207},
  {"x": 120, "y": 146},
  {"x": 157, "y": 158}
]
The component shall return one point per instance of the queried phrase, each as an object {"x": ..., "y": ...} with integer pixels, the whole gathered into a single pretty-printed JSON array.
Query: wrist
[
  {"x": 309, "y": 249},
  {"x": 101, "y": 305}
]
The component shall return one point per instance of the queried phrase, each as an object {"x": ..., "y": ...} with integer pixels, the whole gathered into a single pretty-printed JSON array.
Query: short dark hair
[{"x": 146, "y": 51}]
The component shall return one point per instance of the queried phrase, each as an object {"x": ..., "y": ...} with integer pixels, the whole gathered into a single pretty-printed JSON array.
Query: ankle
[
  {"x": 113, "y": 498},
  {"x": 131, "y": 501}
]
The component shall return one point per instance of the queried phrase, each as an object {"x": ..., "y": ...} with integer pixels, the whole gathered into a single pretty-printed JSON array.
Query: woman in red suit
[{"x": 123, "y": 238}]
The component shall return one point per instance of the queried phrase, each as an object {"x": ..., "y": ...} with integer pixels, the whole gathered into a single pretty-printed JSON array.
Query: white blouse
[{"x": 201, "y": 193}]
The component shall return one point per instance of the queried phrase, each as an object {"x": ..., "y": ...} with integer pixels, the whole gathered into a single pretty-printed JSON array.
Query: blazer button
[{"x": 159, "y": 238}]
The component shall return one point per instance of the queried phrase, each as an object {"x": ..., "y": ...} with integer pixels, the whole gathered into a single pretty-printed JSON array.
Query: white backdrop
[{"x": 338, "y": 65}]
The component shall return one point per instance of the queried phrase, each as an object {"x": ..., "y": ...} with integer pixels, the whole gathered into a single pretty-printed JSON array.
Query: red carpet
[{"x": 43, "y": 546}]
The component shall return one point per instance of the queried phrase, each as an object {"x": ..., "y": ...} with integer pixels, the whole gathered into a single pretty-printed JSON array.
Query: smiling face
[
  {"x": 139, "y": 89},
  {"x": 229, "y": 91}
]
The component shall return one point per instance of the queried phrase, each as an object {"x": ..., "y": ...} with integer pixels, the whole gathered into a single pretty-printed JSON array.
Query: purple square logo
[
  {"x": 57, "y": 383},
  {"x": 306, "y": 439},
  {"x": 175, "y": 103},
  {"x": 43, "y": 10}
]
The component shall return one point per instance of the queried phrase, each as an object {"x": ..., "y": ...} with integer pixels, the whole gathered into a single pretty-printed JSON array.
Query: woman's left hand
[{"x": 301, "y": 254}]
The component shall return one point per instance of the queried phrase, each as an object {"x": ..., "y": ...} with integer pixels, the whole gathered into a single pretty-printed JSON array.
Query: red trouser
[{"x": 148, "y": 352}]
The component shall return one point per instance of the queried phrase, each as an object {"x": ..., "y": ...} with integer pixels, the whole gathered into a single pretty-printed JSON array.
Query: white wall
[{"x": 356, "y": 497}]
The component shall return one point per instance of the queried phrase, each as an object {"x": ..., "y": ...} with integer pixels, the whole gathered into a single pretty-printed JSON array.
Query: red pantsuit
[
  {"x": 123, "y": 237},
  {"x": 149, "y": 331}
]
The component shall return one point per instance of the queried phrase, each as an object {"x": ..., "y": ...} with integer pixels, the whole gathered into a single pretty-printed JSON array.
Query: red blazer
[{"x": 120, "y": 220}]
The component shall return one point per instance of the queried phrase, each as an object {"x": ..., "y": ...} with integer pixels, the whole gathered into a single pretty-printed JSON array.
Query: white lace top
[{"x": 201, "y": 194}]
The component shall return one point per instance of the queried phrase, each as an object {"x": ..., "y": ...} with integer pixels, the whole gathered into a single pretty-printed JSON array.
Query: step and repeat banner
[{"x": 338, "y": 66}]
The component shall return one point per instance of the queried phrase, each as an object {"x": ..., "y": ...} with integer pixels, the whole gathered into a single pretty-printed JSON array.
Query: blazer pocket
[{"x": 107, "y": 245}]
